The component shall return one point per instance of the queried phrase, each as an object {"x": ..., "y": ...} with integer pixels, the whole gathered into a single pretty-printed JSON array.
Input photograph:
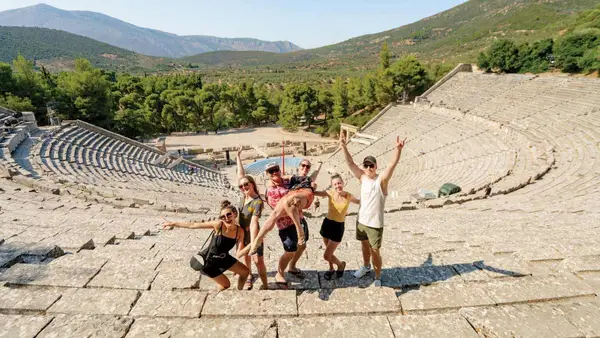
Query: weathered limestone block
[
  {"x": 86, "y": 326},
  {"x": 71, "y": 241},
  {"x": 169, "y": 304},
  {"x": 424, "y": 275},
  {"x": 23, "y": 300},
  {"x": 519, "y": 321},
  {"x": 444, "y": 296},
  {"x": 204, "y": 327},
  {"x": 529, "y": 289},
  {"x": 123, "y": 278},
  {"x": 365, "y": 326},
  {"x": 277, "y": 303},
  {"x": 348, "y": 301},
  {"x": 20, "y": 326},
  {"x": 46, "y": 275},
  {"x": 431, "y": 326},
  {"x": 175, "y": 275},
  {"x": 95, "y": 302}
]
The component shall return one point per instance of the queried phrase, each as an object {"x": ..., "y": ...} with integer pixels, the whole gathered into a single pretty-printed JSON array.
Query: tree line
[
  {"x": 142, "y": 106},
  {"x": 577, "y": 51}
]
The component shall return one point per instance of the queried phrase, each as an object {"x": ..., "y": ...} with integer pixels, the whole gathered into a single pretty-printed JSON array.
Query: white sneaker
[
  {"x": 377, "y": 283},
  {"x": 362, "y": 271}
]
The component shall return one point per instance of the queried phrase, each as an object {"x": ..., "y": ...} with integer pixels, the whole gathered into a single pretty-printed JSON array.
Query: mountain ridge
[{"x": 148, "y": 41}]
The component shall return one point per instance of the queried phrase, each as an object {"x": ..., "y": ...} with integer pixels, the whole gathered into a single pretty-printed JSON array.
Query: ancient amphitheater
[{"x": 516, "y": 253}]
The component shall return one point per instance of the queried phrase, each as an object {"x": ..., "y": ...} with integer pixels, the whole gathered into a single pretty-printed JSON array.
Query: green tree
[
  {"x": 409, "y": 77},
  {"x": 7, "y": 82},
  {"x": 85, "y": 94},
  {"x": 299, "y": 103},
  {"x": 16, "y": 103},
  {"x": 384, "y": 57},
  {"x": 569, "y": 50},
  {"x": 340, "y": 99},
  {"x": 504, "y": 56}
]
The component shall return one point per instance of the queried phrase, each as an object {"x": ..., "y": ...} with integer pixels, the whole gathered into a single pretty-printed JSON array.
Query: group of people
[{"x": 288, "y": 196}]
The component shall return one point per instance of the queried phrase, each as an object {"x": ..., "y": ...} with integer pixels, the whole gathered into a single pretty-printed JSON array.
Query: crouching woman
[{"x": 228, "y": 233}]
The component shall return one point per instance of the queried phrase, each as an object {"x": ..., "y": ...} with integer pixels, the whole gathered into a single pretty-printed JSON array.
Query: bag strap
[{"x": 212, "y": 234}]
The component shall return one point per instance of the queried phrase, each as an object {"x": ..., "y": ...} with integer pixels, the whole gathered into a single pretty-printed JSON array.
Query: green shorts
[{"x": 373, "y": 235}]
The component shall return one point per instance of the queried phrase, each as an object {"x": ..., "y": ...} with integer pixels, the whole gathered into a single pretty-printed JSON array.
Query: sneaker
[
  {"x": 362, "y": 271},
  {"x": 377, "y": 283}
]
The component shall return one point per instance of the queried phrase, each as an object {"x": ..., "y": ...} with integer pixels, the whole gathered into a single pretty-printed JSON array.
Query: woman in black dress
[{"x": 218, "y": 260}]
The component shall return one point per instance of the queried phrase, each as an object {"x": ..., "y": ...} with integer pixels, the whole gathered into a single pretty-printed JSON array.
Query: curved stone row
[
  {"x": 106, "y": 166},
  {"x": 560, "y": 118}
]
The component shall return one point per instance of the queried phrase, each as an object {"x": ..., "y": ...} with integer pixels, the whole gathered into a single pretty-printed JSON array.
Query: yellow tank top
[{"x": 337, "y": 211}]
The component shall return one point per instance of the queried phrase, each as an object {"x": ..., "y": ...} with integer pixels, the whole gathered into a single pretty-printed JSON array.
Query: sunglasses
[
  {"x": 243, "y": 185},
  {"x": 368, "y": 165},
  {"x": 227, "y": 215},
  {"x": 304, "y": 165},
  {"x": 273, "y": 170}
]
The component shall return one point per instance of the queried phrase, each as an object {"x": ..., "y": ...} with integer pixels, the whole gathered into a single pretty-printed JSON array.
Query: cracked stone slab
[
  {"x": 348, "y": 301},
  {"x": 581, "y": 264},
  {"x": 32, "y": 249},
  {"x": 46, "y": 275},
  {"x": 175, "y": 275},
  {"x": 123, "y": 278},
  {"x": 23, "y": 300},
  {"x": 431, "y": 326},
  {"x": 169, "y": 304},
  {"x": 257, "y": 303},
  {"x": 79, "y": 260},
  {"x": 444, "y": 296},
  {"x": 584, "y": 315},
  {"x": 21, "y": 326},
  {"x": 528, "y": 289},
  {"x": 520, "y": 321},
  {"x": 95, "y": 302},
  {"x": 353, "y": 326},
  {"x": 71, "y": 241},
  {"x": 86, "y": 326},
  {"x": 204, "y": 327}
]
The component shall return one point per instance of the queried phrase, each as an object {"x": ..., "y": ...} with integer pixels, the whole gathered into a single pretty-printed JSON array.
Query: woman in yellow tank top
[{"x": 332, "y": 229}]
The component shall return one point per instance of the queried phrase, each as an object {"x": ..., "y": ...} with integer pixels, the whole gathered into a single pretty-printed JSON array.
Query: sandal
[
  {"x": 329, "y": 275},
  {"x": 298, "y": 274},
  {"x": 340, "y": 272},
  {"x": 249, "y": 283}
]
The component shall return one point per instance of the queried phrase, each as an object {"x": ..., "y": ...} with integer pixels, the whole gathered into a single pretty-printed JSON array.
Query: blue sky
[{"x": 307, "y": 23}]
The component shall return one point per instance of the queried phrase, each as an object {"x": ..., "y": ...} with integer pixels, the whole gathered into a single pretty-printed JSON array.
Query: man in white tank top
[{"x": 373, "y": 191}]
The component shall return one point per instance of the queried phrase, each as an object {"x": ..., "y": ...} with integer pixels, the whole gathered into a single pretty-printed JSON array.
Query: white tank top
[{"x": 372, "y": 202}]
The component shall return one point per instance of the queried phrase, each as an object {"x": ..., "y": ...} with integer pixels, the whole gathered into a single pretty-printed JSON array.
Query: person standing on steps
[
  {"x": 373, "y": 191},
  {"x": 227, "y": 234},
  {"x": 251, "y": 208},
  {"x": 332, "y": 228}
]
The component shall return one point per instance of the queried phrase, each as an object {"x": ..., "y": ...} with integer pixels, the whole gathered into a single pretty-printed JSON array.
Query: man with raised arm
[{"x": 373, "y": 191}]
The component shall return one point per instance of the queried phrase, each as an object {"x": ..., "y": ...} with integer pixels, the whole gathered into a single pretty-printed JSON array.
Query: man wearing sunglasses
[{"x": 373, "y": 191}]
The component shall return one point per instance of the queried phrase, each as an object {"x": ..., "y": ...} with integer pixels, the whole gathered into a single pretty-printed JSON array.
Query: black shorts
[
  {"x": 216, "y": 266},
  {"x": 289, "y": 237},
  {"x": 261, "y": 249},
  {"x": 332, "y": 230}
]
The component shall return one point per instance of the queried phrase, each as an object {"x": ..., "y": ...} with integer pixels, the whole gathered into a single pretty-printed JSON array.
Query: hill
[
  {"x": 125, "y": 35},
  {"x": 452, "y": 36},
  {"x": 57, "y": 49}
]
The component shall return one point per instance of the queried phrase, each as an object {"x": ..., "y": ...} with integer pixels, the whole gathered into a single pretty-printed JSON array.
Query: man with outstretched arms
[{"x": 373, "y": 191}]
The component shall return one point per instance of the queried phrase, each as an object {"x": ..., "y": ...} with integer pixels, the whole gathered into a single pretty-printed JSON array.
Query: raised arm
[
  {"x": 191, "y": 225},
  {"x": 356, "y": 171},
  {"x": 315, "y": 173},
  {"x": 389, "y": 171},
  {"x": 238, "y": 160}
]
